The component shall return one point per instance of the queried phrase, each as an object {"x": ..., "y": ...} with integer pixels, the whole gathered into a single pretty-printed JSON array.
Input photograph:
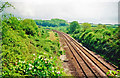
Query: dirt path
[{"x": 52, "y": 36}]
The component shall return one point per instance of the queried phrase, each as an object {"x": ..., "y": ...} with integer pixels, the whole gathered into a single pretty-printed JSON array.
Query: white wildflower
[
  {"x": 44, "y": 58},
  {"x": 34, "y": 69},
  {"x": 110, "y": 72},
  {"x": 39, "y": 56},
  {"x": 34, "y": 54},
  {"x": 19, "y": 61},
  {"x": 58, "y": 72},
  {"x": 30, "y": 68},
  {"x": 23, "y": 61},
  {"x": 52, "y": 71},
  {"x": 52, "y": 67},
  {"x": 30, "y": 65}
]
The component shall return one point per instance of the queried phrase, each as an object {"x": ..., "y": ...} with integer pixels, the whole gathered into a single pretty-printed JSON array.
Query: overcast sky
[{"x": 92, "y": 11}]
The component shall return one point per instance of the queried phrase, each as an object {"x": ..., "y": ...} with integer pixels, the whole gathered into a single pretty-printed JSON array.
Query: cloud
[{"x": 96, "y": 11}]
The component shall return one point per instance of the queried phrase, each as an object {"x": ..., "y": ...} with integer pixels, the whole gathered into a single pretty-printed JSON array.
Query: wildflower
[
  {"x": 44, "y": 53},
  {"x": 34, "y": 54},
  {"x": 58, "y": 72},
  {"x": 116, "y": 75},
  {"x": 52, "y": 67},
  {"x": 49, "y": 61},
  {"x": 30, "y": 68},
  {"x": 110, "y": 72},
  {"x": 30, "y": 65},
  {"x": 15, "y": 63},
  {"x": 51, "y": 57},
  {"x": 23, "y": 61},
  {"x": 45, "y": 61},
  {"x": 44, "y": 58},
  {"x": 19, "y": 61},
  {"x": 52, "y": 71},
  {"x": 39, "y": 56},
  {"x": 34, "y": 69}
]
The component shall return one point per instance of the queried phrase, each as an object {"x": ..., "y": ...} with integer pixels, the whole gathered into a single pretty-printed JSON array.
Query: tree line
[{"x": 51, "y": 23}]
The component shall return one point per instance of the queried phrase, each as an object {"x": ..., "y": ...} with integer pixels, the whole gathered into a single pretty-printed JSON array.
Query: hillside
[{"x": 28, "y": 50}]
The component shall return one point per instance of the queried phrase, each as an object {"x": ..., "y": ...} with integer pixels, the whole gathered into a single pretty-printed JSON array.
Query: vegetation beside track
[
  {"x": 102, "y": 39},
  {"x": 28, "y": 50}
]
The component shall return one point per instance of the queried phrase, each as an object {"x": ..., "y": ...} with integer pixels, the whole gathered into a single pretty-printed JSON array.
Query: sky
[{"x": 92, "y": 11}]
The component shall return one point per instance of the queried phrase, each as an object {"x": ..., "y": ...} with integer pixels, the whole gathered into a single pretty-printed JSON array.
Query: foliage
[
  {"x": 101, "y": 26},
  {"x": 85, "y": 26},
  {"x": 27, "y": 49},
  {"x": 40, "y": 65},
  {"x": 118, "y": 32},
  {"x": 114, "y": 74},
  {"x": 73, "y": 25},
  {"x": 51, "y": 23},
  {"x": 61, "y": 28},
  {"x": 5, "y": 5},
  {"x": 29, "y": 27},
  {"x": 101, "y": 39}
]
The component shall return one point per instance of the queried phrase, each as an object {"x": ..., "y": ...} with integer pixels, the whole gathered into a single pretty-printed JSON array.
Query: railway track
[{"x": 85, "y": 61}]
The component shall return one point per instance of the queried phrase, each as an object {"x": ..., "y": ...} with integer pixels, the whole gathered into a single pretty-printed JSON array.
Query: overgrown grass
[{"x": 27, "y": 49}]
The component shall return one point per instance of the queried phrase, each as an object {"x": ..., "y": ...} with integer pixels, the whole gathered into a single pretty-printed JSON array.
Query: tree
[
  {"x": 29, "y": 26},
  {"x": 101, "y": 26},
  {"x": 52, "y": 23},
  {"x": 73, "y": 26},
  {"x": 86, "y": 26},
  {"x": 5, "y": 5}
]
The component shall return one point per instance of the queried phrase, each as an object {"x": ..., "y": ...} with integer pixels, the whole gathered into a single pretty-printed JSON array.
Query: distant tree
[
  {"x": 101, "y": 26},
  {"x": 73, "y": 26},
  {"x": 51, "y": 23},
  {"x": 86, "y": 26},
  {"x": 104, "y": 26}
]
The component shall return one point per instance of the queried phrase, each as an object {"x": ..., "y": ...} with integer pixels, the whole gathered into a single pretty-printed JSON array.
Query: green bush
[
  {"x": 104, "y": 41},
  {"x": 26, "y": 49},
  {"x": 39, "y": 66}
]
